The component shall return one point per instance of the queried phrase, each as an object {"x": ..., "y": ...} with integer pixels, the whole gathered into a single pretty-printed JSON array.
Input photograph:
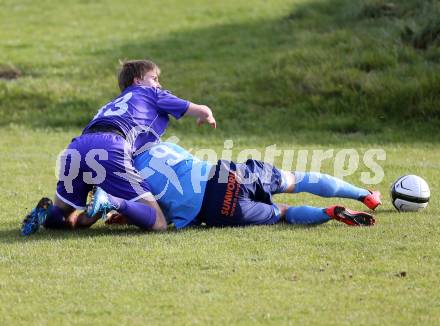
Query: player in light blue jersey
[
  {"x": 192, "y": 192},
  {"x": 177, "y": 179}
]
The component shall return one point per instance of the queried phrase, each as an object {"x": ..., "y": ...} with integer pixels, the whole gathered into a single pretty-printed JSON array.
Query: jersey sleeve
[{"x": 170, "y": 104}]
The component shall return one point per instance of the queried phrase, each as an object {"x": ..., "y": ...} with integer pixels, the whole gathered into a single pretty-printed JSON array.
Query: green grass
[
  {"x": 346, "y": 66},
  {"x": 300, "y": 74},
  {"x": 331, "y": 274}
]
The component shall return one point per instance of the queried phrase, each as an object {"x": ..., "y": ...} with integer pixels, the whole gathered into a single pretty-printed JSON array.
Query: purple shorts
[{"x": 103, "y": 159}]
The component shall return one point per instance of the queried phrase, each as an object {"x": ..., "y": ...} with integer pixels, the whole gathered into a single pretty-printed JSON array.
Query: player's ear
[{"x": 136, "y": 81}]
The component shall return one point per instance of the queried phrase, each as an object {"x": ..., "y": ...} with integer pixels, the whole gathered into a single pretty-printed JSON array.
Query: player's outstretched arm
[{"x": 203, "y": 114}]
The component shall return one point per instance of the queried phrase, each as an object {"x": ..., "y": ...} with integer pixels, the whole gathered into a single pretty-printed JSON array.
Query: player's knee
[
  {"x": 289, "y": 181},
  {"x": 328, "y": 185}
]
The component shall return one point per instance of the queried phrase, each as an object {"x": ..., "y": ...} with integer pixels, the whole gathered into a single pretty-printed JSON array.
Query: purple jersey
[{"x": 141, "y": 113}]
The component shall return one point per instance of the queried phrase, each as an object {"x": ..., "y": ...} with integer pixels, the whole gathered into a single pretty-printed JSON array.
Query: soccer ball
[{"x": 410, "y": 193}]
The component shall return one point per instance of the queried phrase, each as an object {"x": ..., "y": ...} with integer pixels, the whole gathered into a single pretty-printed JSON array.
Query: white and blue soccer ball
[{"x": 410, "y": 193}]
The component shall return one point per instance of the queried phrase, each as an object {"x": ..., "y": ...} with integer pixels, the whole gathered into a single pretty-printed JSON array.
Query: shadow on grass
[
  {"x": 386, "y": 210},
  {"x": 12, "y": 235},
  {"x": 268, "y": 73},
  {"x": 282, "y": 72}
]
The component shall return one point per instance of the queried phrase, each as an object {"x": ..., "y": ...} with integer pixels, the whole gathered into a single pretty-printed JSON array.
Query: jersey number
[
  {"x": 120, "y": 103},
  {"x": 170, "y": 156}
]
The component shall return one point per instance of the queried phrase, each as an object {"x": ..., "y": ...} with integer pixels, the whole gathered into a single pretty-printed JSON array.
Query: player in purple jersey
[{"x": 103, "y": 154}]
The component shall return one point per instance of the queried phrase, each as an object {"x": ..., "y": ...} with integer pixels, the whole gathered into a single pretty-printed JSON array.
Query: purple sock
[
  {"x": 139, "y": 214},
  {"x": 115, "y": 201}
]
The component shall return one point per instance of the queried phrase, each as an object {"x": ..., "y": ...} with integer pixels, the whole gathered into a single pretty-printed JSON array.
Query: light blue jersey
[{"x": 177, "y": 179}]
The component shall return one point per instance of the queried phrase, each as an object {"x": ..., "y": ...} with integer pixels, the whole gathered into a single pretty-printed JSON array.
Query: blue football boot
[
  {"x": 99, "y": 204},
  {"x": 36, "y": 217}
]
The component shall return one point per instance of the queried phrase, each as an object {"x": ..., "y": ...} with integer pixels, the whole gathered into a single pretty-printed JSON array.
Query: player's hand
[
  {"x": 209, "y": 120},
  {"x": 203, "y": 114},
  {"x": 116, "y": 218}
]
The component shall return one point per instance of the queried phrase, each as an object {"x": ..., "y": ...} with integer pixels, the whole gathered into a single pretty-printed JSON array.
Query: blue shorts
[
  {"x": 103, "y": 159},
  {"x": 241, "y": 194}
]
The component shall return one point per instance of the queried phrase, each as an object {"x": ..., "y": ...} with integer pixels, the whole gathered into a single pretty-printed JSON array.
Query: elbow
[
  {"x": 160, "y": 227},
  {"x": 160, "y": 224}
]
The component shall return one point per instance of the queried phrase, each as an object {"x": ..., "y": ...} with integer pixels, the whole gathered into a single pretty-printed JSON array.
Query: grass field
[{"x": 299, "y": 74}]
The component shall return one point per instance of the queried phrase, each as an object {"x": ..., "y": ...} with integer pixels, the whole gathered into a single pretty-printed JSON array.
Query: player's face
[{"x": 151, "y": 79}]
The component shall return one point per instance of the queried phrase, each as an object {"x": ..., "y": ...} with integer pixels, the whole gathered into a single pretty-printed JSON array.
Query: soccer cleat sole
[
  {"x": 349, "y": 217},
  {"x": 36, "y": 217}
]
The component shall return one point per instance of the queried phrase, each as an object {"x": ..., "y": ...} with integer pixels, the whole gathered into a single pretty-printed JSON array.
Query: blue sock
[
  {"x": 325, "y": 185},
  {"x": 306, "y": 215},
  {"x": 139, "y": 214}
]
